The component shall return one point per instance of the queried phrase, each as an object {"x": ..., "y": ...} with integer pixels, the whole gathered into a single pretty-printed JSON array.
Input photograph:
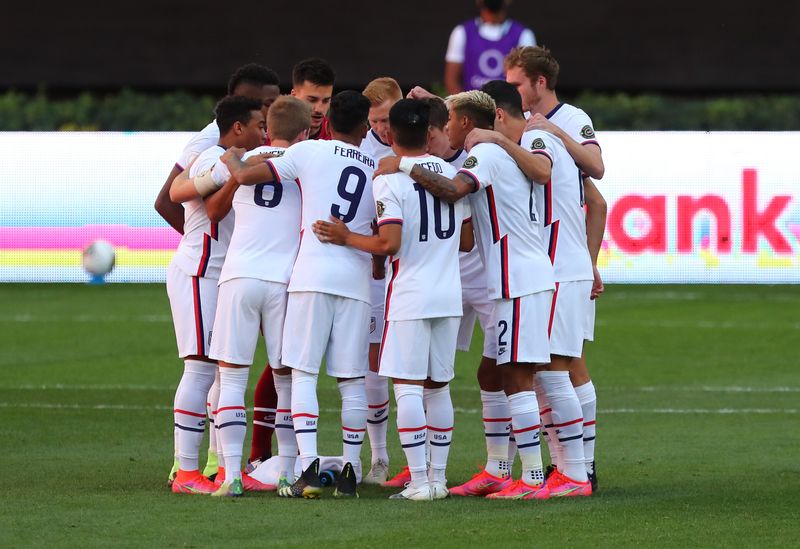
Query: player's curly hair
[
  {"x": 253, "y": 73},
  {"x": 535, "y": 61},
  {"x": 475, "y": 104}
]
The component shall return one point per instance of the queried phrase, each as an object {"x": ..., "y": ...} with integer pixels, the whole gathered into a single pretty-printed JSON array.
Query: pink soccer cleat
[
  {"x": 482, "y": 484},
  {"x": 518, "y": 489},
  {"x": 252, "y": 485},
  {"x": 192, "y": 482},
  {"x": 399, "y": 480},
  {"x": 558, "y": 485}
]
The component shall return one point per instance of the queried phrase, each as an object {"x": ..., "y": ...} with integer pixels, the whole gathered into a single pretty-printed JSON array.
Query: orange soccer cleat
[
  {"x": 192, "y": 482},
  {"x": 399, "y": 480},
  {"x": 482, "y": 484}
]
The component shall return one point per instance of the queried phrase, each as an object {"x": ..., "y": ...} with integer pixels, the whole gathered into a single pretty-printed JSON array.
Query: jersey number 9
[{"x": 353, "y": 197}]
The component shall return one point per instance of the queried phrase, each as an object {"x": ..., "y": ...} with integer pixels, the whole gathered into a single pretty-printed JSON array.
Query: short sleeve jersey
[
  {"x": 266, "y": 232},
  {"x": 373, "y": 146},
  {"x": 423, "y": 279},
  {"x": 335, "y": 179},
  {"x": 202, "y": 141},
  {"x": 560, "y": 205},
  {"x": 507, "y": 227},
  {"x": 574, "y": 122},
  {"x": 203, "y": 246}
]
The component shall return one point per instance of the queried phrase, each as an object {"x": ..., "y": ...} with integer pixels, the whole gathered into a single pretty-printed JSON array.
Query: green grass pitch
[{"x": 698, "y": 433}]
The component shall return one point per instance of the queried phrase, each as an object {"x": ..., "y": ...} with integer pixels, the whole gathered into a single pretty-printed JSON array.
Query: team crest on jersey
[
  {"x": 587, "y": 132},
  {"x": 470, "y": 162},
  {"x": 538, "y": 143},
  {"x": 380, "y": 207}
]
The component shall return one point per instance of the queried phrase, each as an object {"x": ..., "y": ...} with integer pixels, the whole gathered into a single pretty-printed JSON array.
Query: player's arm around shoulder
[{"x": 219, "y": 203}]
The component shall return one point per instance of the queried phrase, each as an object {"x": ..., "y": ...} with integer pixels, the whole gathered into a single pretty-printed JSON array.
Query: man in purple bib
[{"x": 478, "y": 46}]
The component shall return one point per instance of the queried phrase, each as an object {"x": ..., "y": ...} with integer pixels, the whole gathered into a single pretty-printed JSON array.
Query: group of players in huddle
[{"x": 372, "y": 230}]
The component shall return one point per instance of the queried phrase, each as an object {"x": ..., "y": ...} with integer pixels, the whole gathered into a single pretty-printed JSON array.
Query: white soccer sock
[
  {"x": 305, "y": 413},
  {"x": 588, "y": 399},
  {"x": 412, "y": 426},
  {"x": 212, "y": 402},
  {"x": 190, "y": 414},
  {"x": 496, "y": 431},
  {"x": 525, "y": 422},
  {"x": 284, "y": 427},
  {"x": 439, "y": 414},
  {"x": 548, "y": 429},
  {"x": 377, "y": 389},
  {"x": 567, "y": 420},
  {"x": 354, "y": 419},
  {"x": 232, "y": 419}
]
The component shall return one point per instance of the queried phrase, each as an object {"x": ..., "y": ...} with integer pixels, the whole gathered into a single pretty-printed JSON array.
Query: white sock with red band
[
  {"x": 525, "y": 423},
  {"x": 305, "y": 413},
  {"x": 412, "y": 426},
  {"x": 567, "y": 420},
  {"x": 190, "y": 412},
  {"x": 588, "y": 399},
  {"x": 232, "y": 419},
  {"x": 284, "y": 426},
  {"x": 439, "y": 413},
  {"x": 354, "y": 420},
  {"x": 377, "y": 389},
  {"x": 496, "y": 431}
]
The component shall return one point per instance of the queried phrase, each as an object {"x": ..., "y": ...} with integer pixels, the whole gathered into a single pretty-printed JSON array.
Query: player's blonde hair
[
  {"x": 475, "y": 104},
  {"x": 382, "y": 89},
  {"x": 288, "y": 117},
  {"x": 535, "y": 61}
]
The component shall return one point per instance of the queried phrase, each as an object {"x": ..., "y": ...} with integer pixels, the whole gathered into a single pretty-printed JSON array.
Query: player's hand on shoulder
[
  {"x": 232, "y": 156},
  {"x": 418, "y": 92},
  {"x": 540, "y": 122},
  {"x": 387, "y": 165},
  {"x": 478, "y": 135},
  {"x": 258, "y": 158},
  {"x": 597, "y": 284},
  {"x": 333, "y": 231}
]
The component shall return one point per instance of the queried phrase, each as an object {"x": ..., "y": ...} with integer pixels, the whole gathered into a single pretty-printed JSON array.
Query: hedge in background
[{"x": 131, "y": 111}]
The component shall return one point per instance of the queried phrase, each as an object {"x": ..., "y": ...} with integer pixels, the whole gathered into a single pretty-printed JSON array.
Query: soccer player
[
  {"x": 423, "y": 297},
  {"x": 192, "y": 286},
  {"x": 327, "y": 313},
  {"x": 252, "y": 290},
  {"x": 519, "y": 274},
  {"x": 312, "y": 82},
  {"x": 382, "y": 93},
  {"x": 249, "y": 80},
  {"x": 534, "y": 71}
]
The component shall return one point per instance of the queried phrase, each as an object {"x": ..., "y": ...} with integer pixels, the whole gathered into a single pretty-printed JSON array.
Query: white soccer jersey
[
  {"x": 473, "y": 275},
  {"x": 423, "y": 279},
  {"x": 202, "y": 141},
  {"x": 203, "y": 245},
  {"x": 334, "y": 179},
  {"x": 507, "y": 226},
  {"x": 373, "y": 146},
  {"x": 266, "y": 233},
  {"x": 560, "y": 205},
  {"x": 575, "y": 122}
]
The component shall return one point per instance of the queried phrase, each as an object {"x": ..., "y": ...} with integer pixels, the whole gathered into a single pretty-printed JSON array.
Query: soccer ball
[{"x": 99, "y": 258}]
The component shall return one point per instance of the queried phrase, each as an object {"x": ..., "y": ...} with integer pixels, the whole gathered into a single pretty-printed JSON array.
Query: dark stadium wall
[{"x": 680, "y": 46}]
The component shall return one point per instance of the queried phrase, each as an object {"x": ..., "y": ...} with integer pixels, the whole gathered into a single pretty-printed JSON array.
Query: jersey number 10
[{"x": 442, "y": 234}]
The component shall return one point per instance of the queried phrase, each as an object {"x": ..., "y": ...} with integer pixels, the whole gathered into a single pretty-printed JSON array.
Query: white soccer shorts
[
  {"x": 588, "y": 322},
  {"x": 193, "y": 301},
  {"x": 476, "y": 304},
  {"x": 247, "y": 306},
  {"x": 378, "y": 301},
  {"x": 324, "y": 325},
  {"x": 521, "y": 326},
  {"x": 420, "y": 349},
  {"x": 570, "y": 309}
]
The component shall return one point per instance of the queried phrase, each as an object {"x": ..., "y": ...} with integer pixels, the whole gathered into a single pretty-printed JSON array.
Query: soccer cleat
[
  {"x": 561, "y": 486},
  {"x": 252, "y": 485},
  {"x": 232, "y": 489},
  {"x": 284, "y": 487},
  {"x": 308, "y": 485},
  {"x": 593, "y": 478},
  {"x": 192, "y": 482},
  {"x": 212, "y": 466},
  {"x": 439, "y": 490},
  {"x": 377, "y": 473},
  {"x": 173, "y": 472},
  {"x": 219, "y": 478},
  {"x": 518, "y": 489},
  {"x": 399, "y": 480},
  {"x": 419, "y": 493},
  {"x": 346, "y": 483},
  {"x": 253, "y": 464},
  {"x": 549, "y": 471},
  {"x": 482, "y": 484}
]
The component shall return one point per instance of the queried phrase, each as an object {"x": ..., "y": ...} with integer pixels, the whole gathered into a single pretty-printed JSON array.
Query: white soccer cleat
[
  {"x": 378, "y": 473},
  {"x": 439, "y": 490},
  {"x": 419, "y": 493}
]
